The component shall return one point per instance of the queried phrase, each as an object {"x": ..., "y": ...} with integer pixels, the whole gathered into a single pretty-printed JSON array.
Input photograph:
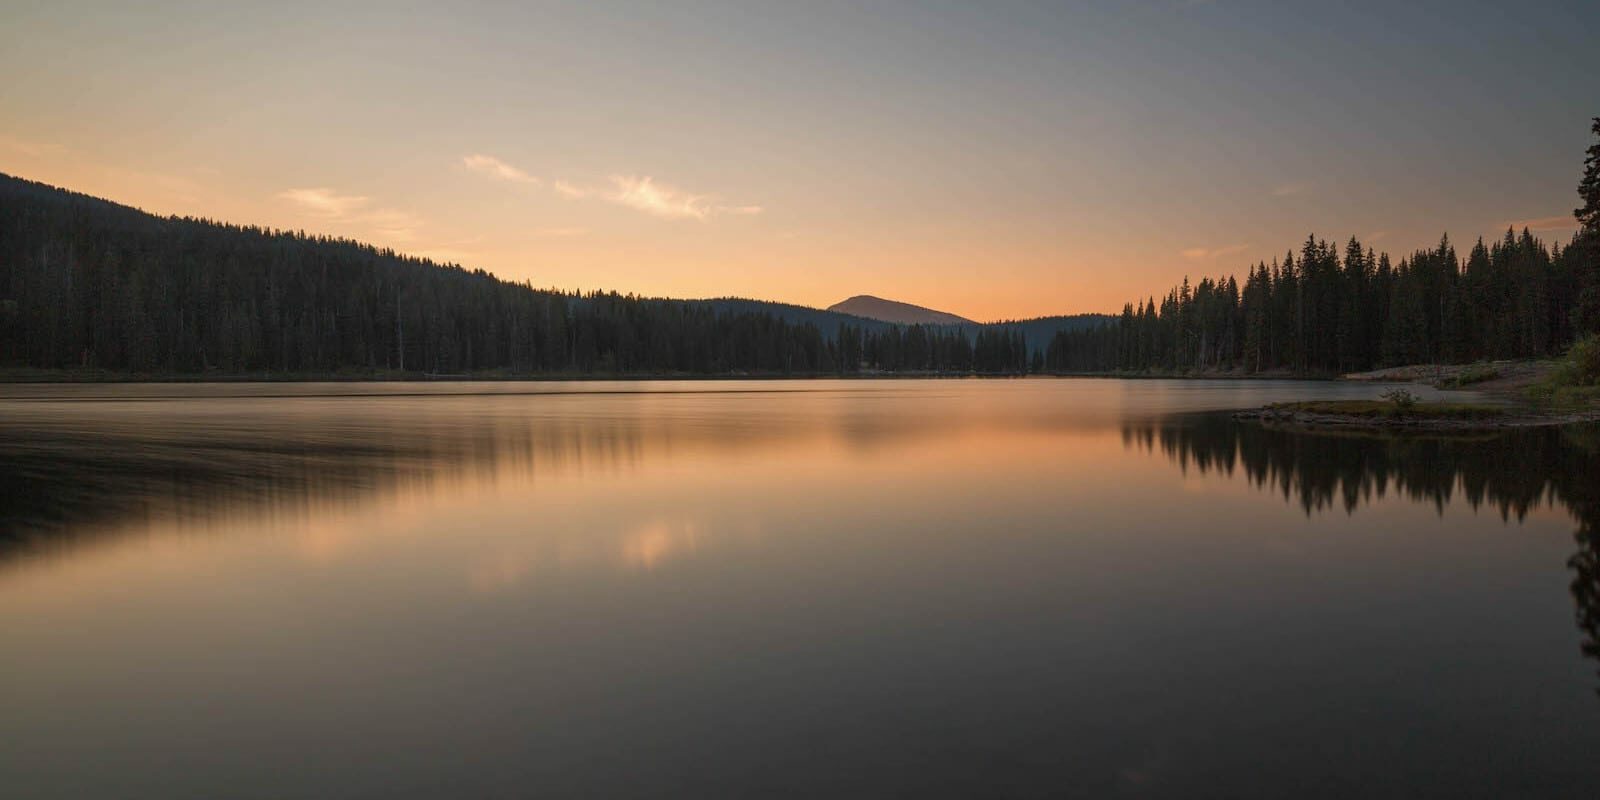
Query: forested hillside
[
  {"x": 86, "y": 283},
  {"x": 1320, "y": 312}
]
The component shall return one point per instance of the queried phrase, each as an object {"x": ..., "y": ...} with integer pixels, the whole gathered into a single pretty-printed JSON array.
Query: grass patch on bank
[
  {"x": 1384, "y": 409},
  {"x": 1576, "y": 381}
]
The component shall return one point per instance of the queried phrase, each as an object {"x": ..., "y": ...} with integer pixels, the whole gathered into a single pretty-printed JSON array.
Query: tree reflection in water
[{"x": 1514, "y": 471}]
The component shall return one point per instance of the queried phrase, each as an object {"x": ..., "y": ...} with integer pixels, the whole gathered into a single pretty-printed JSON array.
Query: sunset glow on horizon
[{"x": 1052, "y": 159}]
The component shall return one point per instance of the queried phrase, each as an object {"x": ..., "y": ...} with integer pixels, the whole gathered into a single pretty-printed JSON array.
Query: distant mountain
[
  {"x": 1037, "y": 331},
  {"x": 828, "y": 321},
  {"x": 865, "y": 305}
]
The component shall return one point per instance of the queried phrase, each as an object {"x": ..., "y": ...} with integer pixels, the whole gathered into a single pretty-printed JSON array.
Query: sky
[{"x": 999, "y": 160}]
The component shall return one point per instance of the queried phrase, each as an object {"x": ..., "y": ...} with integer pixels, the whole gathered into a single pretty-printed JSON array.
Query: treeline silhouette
[
  {"x": 1513, "y": 472},
  {"x": 88, "y": 283},
  {"x": 1319, "y": 312}
]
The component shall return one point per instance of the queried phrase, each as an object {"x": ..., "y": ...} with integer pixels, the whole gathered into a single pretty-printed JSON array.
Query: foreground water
[{"x": 717, "y": 589}]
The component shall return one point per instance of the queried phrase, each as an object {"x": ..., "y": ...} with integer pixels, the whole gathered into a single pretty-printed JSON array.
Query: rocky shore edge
[{"x": 1500, "y": 419}]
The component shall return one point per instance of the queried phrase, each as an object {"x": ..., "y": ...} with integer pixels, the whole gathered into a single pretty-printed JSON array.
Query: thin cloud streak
[
  {"x": 328, "y": 204},
  {"x": 1559, "y": 222},
  {"x": 644, "y": 194},
  {"x": 1209, "y": 253},
  {"x": 569, "y": 190},
  {"x": 496, "y": 169},
  {"x": 324, "y": 202}
]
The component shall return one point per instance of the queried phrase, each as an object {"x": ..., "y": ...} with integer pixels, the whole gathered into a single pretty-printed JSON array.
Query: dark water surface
[{"x": 725, "y": 589}]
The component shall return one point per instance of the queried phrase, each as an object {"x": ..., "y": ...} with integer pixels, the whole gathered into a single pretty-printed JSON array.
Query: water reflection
[
  {"x": 64, "y": 478},
  {"x": 1025, "y": 588},
  {"x": 82, "y": 463},
  {"x": 1513, "y": 471},
  {"x": 78, "y": 461}
]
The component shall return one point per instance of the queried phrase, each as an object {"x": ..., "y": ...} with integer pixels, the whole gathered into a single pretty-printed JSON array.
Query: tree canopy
[{"x": 89, "y": 283}]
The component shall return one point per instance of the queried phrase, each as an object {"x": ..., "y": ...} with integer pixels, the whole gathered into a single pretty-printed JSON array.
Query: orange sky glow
[{"x": 992, "y": 168}]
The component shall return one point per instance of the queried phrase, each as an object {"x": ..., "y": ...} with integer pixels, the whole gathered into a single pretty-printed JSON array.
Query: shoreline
[
  {"x": 73, "y": 377},
  {"x": 104, "y": 376},
  {"x": 1442, "y": 417},
  {"x": 36, "y": 376}
]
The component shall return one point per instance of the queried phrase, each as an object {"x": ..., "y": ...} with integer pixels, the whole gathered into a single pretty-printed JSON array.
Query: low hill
[
  {"x": 828, "y": 321},
  {"x": 1037, "y": 331},
  {"x": 88, "y": 284},
  {"x": 865, "y": 305},
  {"x": 91, "y": 286}
]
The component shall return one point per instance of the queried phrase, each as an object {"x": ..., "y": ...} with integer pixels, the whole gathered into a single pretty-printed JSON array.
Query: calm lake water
[{"x": 812, "y": 588}]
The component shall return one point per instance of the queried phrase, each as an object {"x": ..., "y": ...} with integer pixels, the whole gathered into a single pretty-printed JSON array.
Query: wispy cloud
[
  {"x": 1559, "y": 222},
  {"x": 1208, "y": 253},
  {"x": 1290, "y": 189},
  {"x": 570, "y": 190},
  {"x": 497, "y": 169},
  {"x": 644, "y": 194},
  {"x": 332, "y": 206},
  {"x": 396, "y": 225},
  {"x": 325, "y": 202}
]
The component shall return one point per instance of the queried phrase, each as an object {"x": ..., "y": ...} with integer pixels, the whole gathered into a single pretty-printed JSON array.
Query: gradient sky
[{"x": 1009, "y": 160}]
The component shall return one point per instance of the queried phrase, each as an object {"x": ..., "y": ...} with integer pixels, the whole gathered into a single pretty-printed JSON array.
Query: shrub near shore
[{"x": 1577, "y": 380}]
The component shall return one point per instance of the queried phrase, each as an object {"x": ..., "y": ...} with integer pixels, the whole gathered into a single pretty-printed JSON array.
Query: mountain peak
[{"x": 865, "y": 305}]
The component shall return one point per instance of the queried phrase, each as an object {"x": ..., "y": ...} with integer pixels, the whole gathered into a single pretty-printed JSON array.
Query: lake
[{"x": 1004, "y": 588}]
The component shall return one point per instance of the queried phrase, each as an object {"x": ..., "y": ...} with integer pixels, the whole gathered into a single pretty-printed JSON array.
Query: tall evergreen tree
[{"x": 1584, "y": 252}]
